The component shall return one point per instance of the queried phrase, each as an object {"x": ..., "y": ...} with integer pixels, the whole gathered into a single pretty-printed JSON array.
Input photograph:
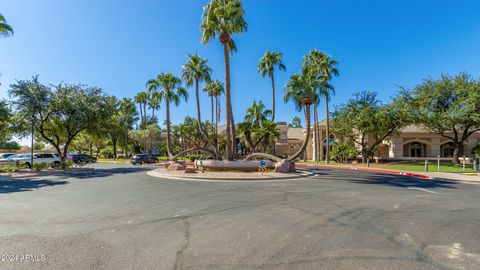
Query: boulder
[
  {"x": 174, "y": 166},
  {"x": 190, "y": 169},
  {"x": 284, "y": 166},
  {"x": 168, "y": 163}
]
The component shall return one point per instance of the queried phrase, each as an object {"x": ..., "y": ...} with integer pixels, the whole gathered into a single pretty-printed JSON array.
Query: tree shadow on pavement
[
  {"x": 403, "y": 181},
  {"x": 26, "y": 184},
  {"x": 89, "y": 173}
]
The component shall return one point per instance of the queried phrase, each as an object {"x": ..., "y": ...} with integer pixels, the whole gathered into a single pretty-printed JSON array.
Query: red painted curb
[{"x": 366, "y": 170}]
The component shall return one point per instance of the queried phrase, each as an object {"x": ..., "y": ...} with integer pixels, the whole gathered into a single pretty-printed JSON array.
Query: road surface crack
[{"x": 180, "y": 253}]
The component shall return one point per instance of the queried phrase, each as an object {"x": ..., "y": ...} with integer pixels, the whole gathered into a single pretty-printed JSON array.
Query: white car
[
  {"x": 5, "y": 159},
  {"x": 25, "y": 159}
]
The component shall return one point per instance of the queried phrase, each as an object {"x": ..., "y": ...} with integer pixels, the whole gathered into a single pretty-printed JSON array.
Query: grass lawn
[{"x": 414, "y": 167}]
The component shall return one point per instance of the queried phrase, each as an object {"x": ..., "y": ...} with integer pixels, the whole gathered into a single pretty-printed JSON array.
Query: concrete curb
[
  {"x": 251, "y": 179},
  {"x": 366, "y": 169}
]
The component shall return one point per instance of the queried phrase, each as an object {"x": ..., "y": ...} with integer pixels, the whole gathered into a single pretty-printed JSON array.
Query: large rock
[
  {"x": 175, "y": 167},
  {"x": 190, "y": 169},
  {"x": 168, "y": 163},
  {"x": 285, "y": 166}
]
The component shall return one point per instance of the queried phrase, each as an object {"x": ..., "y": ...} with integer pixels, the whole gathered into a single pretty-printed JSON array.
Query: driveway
[{"x": 117, "y": 217}]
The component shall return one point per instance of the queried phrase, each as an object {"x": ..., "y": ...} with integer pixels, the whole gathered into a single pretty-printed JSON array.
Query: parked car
[
  {"x": 5, "y": 161},
  {"x": 25, "y": 159},
  {"x": 143, "y": 158},
  {"x": 83, "y": 158}
]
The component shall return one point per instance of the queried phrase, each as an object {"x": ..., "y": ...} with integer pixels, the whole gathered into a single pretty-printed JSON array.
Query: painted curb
[
  {"x": 365, "y": 169},
  {"x": 206, "y": 179}
]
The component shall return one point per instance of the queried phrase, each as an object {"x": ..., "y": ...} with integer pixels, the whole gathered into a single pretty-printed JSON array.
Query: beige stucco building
[{"x": 413, "y": 142}]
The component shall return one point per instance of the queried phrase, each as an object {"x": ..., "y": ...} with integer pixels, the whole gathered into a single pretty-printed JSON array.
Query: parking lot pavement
[{"x": 117, "y": 217}]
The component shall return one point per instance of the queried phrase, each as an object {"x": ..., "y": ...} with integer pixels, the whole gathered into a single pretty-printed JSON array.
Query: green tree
[
  {"x": 322, "y": 67},
  {"x": 449, "y": 106},
  {"x": 10, "y": 145},
  {"x": 195, "y": 71},
  {"x": 147, "y": 137},
  {"x": 61, "y": 113},
  {"x": 343, "y": 152},
  {"x": 267, "y": 68},
  {"x": 5, "y": 29},
  {"x": 170, "y": 89},
  {"x": 296, "y": 123},
  {"x": 38, "y": 146},
  {"x": 225, "y": 18},
  {"x": 367, "y": 122},
  {"x": 5, "y": 121},
  {"x": 257, "y": 114},
  {"x": 128, "y": 115}
]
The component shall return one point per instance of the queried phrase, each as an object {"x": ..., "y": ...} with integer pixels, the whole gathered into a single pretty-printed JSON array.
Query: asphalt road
[{"x": 117, "y": 217}]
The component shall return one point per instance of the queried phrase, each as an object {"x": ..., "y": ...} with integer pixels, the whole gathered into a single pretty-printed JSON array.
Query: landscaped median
[{"x": 227, "y": 175}]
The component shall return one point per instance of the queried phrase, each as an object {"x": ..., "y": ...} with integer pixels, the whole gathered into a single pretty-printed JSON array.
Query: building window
[
  {"x": 447, "y": 149},
  {"x": 417, "y": 150}
]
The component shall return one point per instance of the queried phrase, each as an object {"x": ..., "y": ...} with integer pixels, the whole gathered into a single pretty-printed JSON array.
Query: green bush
[
  {"x": 40, "y": 166},
  {"x": 343, "y": 152},
  {"x": 476, "y": 151},
  {"x": 9, "y": 169}
]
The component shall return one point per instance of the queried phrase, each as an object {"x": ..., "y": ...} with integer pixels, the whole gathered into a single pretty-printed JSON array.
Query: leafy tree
[
  {"x": 10, "y": 145},
  {"x": 128, "y": 116},
  {"x": 169, "y": 88},
  {"x": 148, "y": 137},
  {"x": 195, "y": 71},
  {"x": 449, "y": 106},
  {"x": 38, "y": 146},
  {"x": 296, "y": 123},
  {"x": 61, "y": 113},
  {"x": 343, "y": 152},
  {"x": 5, "y": 29},
  {"x": 367, "y": 122},
  {"x": 256, "y": 127},
  {"x": 5, "y": 121},
  {"x": 267, "y": 68},
  {"x": 322, "y": 67},
  {"x": 225, "y": 18}
]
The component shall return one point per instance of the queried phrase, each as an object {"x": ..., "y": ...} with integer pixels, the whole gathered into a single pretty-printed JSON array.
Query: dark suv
[
  {"x": 82, "y": 158},
  {"x": 143, "y": 158}
]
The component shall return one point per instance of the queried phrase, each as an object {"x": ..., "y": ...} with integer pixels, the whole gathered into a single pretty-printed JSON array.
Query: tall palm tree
[
  {"x": 257, "y": 114},
  {"x": 323, "y": 67},
  {"x": 5, "y": 29},
  {"x": 141, "y": 99},
  {"x": 301, "y": 91},
  {"x": 170, "y": 89},
  {"x": 214, "y": 89},
  {"x": 267, "y": 67},
  {"x": 128, "y": 113},
  {"x": 195, "y": 71},
  {"x": 153, "y": 101},
  {"x": 225, "y": 18}
]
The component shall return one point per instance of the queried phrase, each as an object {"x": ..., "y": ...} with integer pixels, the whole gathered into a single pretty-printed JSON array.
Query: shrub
[
  {"x": 9, "y": 169},
  {"x": 40, "y": 166},
  {"x": 476, "y": 151},
  {"x": 343, "y": 152}
]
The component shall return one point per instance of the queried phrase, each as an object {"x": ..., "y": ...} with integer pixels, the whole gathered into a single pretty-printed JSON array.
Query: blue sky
[{"x": 119, "y": 45}]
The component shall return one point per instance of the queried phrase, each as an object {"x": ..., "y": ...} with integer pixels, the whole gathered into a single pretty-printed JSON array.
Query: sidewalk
[{"x": 464, "y": 177}]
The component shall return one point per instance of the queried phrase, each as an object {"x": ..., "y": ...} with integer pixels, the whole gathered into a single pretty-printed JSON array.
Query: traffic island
[{"x": 211, "y": 175}]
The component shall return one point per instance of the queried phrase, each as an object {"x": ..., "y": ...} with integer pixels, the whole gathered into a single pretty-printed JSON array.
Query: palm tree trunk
[
  {"x": 145, "y": 111},
  {"x": 141, "y": 112},
  {"x": 315, "y": 127},
  {"x": 169, "y": 142},
  {"x": 307, "y": 136},
  {"x": 228, "y": 131},
  {"x": 327, "y": 128},
  {"x": 273, "y": 97},
  {"x": 234, "y": 137},
  {"x": 211, "y": 101},
  {"x": 216, "y": 122},
  {"x": 199, "y": 120}
]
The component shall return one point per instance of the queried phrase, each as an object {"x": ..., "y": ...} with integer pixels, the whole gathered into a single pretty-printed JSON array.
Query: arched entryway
[
  {"x": 447, "y": 149},
  {"x": 415, "y": 149}
]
